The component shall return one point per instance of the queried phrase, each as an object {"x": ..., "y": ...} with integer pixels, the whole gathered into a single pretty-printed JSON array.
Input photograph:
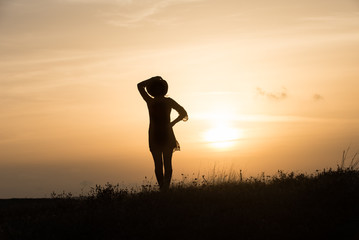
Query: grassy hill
[{"x": 323, "y": 205}]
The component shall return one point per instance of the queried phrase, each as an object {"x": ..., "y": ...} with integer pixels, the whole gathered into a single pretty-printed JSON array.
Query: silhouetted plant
[
  {"x": 108, "y": 192},
  {"x": 354, "y": 161},
  {"x": 147, "y": 186},
  {"x": 62, "y": 195}
]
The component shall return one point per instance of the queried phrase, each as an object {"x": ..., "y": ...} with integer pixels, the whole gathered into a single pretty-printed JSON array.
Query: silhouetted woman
[{"x": 162, "y": 140}]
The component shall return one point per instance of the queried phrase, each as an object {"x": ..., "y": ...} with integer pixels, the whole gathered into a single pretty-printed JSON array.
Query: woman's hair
[{"x": 158, "y": 87}]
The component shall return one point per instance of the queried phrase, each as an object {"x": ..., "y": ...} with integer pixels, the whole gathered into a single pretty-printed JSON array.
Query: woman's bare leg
[
  {"x": 167, "y": 159},
  {"x": 157, "y": 157}
]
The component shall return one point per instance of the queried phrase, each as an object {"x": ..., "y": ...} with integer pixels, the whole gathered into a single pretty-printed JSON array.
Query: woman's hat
[{"x": 157, "y": 87}]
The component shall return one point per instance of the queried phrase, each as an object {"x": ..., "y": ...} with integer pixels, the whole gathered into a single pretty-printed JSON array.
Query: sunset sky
[{"x": 267, "y": 85}]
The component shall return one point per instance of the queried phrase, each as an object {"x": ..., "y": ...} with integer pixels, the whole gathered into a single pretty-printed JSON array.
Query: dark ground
[{"x": 287, "y": 206}]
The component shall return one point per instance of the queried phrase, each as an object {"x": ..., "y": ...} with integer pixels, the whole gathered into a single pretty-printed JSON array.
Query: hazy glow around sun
[{"x": 222, "y": 135}]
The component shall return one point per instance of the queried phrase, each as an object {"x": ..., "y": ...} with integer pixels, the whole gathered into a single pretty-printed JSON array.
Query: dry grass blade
[{"x": 354, "y": 161}]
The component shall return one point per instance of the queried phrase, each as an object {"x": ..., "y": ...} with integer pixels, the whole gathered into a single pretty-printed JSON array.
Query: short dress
[{"x": 160, "y": 134}]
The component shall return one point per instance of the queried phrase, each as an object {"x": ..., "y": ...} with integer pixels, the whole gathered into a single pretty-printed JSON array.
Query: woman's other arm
[{"x": 182, "y": 114}]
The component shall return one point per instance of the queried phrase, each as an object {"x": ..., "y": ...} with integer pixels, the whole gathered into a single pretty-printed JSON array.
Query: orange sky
[{"x": 275, "y": 82}]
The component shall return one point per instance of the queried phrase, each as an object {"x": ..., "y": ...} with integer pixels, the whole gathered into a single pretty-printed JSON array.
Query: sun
[{"x": 222, "y": 135}]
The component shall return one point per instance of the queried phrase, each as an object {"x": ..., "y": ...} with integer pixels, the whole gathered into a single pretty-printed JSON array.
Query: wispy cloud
[
  {"x": 261, "y": 118},
  {"x": 317, "y": 97},
  {"x": 131, "y": 13},
  {"x": 100, "y": 1},
  {"x": 335, "y": 20},
  {"x": 273, "y": 95},
  {"x": 218, "y": 93}
]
